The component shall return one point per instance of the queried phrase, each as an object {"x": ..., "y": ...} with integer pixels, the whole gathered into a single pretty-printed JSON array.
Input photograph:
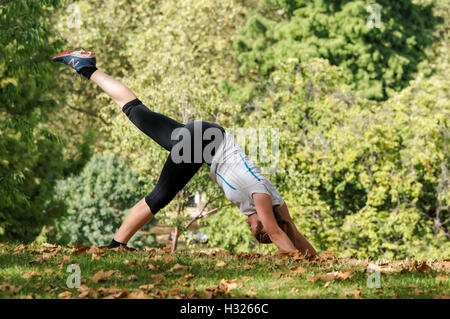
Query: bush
[{"x": 96, "y": 202}]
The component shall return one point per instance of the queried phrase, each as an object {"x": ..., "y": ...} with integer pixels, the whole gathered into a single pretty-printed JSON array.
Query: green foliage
[
  {"x": 96, "y": 201},
  {"x": 30, "y": 154},
  {"x": 362, "y": 178},
  {"x": 373, "y": 59}
]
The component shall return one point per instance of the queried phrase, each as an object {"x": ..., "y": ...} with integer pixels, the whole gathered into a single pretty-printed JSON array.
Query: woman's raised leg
[{"x": 118, "y": 92}]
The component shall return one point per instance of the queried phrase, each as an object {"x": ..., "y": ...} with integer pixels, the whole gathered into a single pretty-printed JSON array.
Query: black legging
[{"x": 174, "y": 175}]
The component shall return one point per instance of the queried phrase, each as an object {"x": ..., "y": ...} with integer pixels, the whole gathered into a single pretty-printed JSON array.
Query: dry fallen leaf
[
  {"x": 245, "y": 278},
  {"x": 30, "y": 274},
  {"x": 331, "y": 276},
  {"x": 37, "y": 259},
  {"x": 355, "y": 293},
  {"x": 138, "y": 295},
  {"x": 221, "y": 264},
  {"x": 443, "y": 265},
  {"x": 47, "y": 245},
  {"x": 147, "y": 288},
  {"x": 51, "y": 288},
  {"x": 250, "y": 293},
  {"x": 19, "y": 249},
  {"x": 441, "y": 278},
  {"x": 211, "y": 292},
  {"x": 179, "y": 267},
  {"x": 152, "y": 266},
  {"x": 85, "y": 291},
  {"x": 297, "y": 270},
  {"x": 9, "y": 288},
  {"x": 96, "y": 256},
  {"x": 247, "y": 267},
  {"x": 65, "y": 295},
  {"x": 282, "y": 253},
  {"x": 279, "y": 262},
  {"x": 168, "y": 259},
  {"x": 420, "y": 266},
  {"x": 113, "y": 292},
  {"x": 174, "y": 291},
  {"x": 325, "y": 257},
  {"x": 221, "y": 252},
  {"x": 158, "y": 278},
  {"x": 277, "y": 274},
  {"x": 191, "y": 295},
  {"x": 132, "y": 263},
  {"x": 50, "y": 254},
  {"x": 417, "y": 291},
  {"x": 95, "y": 250},
  {"x": 275, "y": 287},
  {"x": 132, "y": 278},
  {"x": 80, "y": 249},
  {"x": 103, "y": 275},
  {"x": 228, "y": 285},
  {"x": 67, "y": 259},
  {"x": 48, "y": 271},
  {"x": 224, "y": 287},
  {"x": 188, "y": 276}
]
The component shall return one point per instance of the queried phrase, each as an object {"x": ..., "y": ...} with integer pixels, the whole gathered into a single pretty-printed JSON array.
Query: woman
[{"x": 190, "y": 146}]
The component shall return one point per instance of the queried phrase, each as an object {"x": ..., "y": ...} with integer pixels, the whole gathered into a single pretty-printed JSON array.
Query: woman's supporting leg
[
  {"x": 136, "y": 218},
  {"x": 119, "y": 92},
  {"x": 172, "y": 179}
]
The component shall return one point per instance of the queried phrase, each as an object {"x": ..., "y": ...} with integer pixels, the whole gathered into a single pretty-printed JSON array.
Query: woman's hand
[
  {"x": 263, "y": 204},
  {"x": 299, "y": 241}
]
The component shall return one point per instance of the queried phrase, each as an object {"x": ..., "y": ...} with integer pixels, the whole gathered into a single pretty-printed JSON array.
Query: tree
[
  {"x": 30, "y": 159},
  {"x": 375, "y": 59}
]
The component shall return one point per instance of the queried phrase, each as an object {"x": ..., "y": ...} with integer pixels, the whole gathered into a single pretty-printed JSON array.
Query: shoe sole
[{"x": 75, "y": 53}]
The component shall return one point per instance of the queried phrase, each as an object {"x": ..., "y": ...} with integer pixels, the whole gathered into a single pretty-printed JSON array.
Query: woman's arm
[
  {"x": 299, "y": 241},
  {"x": 263, "y": 204}
]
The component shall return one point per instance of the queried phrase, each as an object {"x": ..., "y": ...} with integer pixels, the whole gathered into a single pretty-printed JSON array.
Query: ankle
[
  {"x": 88, "y": 71},
  {"x": 115, "y": 244}
]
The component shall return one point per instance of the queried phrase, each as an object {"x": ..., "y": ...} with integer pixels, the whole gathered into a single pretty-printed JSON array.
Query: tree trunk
[{"x": 175, "y": 239}]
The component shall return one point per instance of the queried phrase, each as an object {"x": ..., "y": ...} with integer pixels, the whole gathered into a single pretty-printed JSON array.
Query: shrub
[{"x": 96, "y": 202}]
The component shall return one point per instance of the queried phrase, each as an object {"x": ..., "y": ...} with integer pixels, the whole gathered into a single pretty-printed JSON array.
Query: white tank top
[{"x": 239, "y": 177}]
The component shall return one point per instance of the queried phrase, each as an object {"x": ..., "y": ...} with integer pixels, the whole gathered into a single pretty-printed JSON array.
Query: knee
[
  {"x": 128, "y": 107},
  {"x": 157, "y": 200}
]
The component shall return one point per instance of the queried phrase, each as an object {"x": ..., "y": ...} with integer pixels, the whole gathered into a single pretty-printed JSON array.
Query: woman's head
[{"x": 257, "y": 228}]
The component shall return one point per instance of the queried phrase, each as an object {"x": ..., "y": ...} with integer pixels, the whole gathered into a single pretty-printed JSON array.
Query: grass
[{"x": 208, "y": 274}]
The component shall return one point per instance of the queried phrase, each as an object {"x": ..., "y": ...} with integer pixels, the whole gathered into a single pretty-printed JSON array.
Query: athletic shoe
[{"x": 77, "y": 59}]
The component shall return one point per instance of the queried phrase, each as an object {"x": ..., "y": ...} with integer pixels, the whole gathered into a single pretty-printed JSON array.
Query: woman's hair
[{"x": 262, "y": 236}]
